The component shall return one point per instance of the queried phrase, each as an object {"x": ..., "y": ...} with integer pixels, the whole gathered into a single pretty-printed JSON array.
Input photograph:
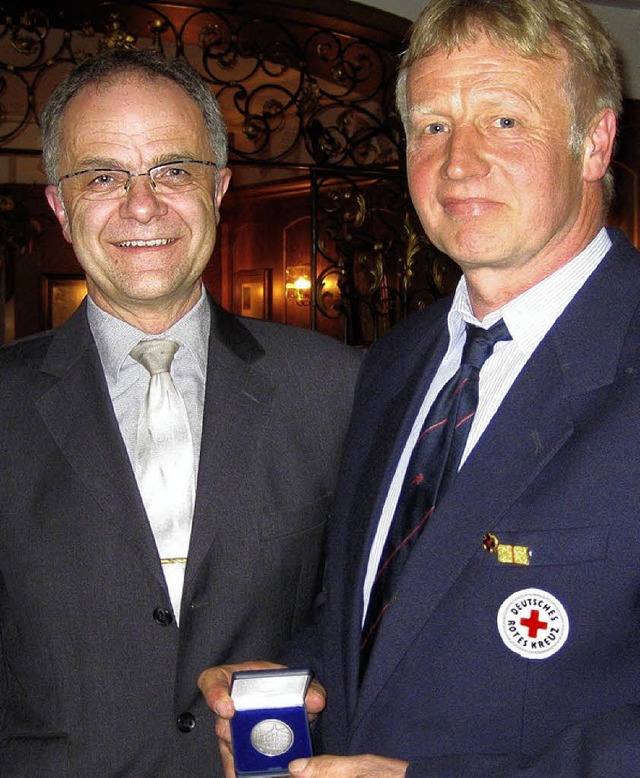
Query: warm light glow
[
  {"x": 301, "y": 283},
  {"x": 298, "y": 284}
]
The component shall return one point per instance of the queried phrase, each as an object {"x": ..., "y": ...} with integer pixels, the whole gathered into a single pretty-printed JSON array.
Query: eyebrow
[
  {"x": 98, "y": 162},
  {"x": 109, "y": 163},
  {"x": 165, "y": 158},
  {"x": 421, "y": 110}
]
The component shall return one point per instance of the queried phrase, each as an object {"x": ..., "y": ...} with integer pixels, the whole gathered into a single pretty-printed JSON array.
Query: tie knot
[
  {"x": 480, "y": 343},
  {"x": 156, "y": 355}
]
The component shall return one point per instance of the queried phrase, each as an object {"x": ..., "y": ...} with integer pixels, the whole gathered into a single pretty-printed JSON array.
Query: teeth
[{"x": 141, "y": 243}]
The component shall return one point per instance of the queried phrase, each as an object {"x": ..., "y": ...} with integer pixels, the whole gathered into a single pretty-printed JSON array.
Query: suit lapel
[
  {"x": 580, "y": 354},
  {"x": 77, "y": 410},
  {"x": 384, "y": 450},
  {"x": 237, "y": 400}
]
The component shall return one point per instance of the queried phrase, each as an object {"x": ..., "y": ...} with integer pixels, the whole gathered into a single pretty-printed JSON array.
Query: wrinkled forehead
[
  {"x": 485, "y": 57},
  {"x": 133, "y": 123}
]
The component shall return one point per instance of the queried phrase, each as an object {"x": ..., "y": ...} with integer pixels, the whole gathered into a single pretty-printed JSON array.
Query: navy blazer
[
  {"x": 557, "y": 472},
  {"x": 95, "y": 679}
]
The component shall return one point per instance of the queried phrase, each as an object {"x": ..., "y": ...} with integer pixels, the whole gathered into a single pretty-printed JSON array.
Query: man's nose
[
  {"x": 465, "y": 154},
  {"x": 141, "y": 200}
]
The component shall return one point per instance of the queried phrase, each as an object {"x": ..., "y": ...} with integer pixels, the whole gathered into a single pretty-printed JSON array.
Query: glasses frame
[{"x": 119, "y": 193}]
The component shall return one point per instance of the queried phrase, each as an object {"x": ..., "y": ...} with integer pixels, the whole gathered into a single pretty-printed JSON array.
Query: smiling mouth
[{"x": 145, "y": 243}]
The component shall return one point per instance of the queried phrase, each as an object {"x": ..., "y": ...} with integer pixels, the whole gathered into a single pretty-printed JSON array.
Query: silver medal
[{"x": 272, "y": 737}]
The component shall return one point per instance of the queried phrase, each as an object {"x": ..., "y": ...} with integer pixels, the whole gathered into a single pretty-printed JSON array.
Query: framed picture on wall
[
  {"x": 252, "y": 293},
  {"x": 61, "y": 295}
]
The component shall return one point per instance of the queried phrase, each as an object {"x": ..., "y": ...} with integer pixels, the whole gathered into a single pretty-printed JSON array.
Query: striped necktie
[{"x": 434, "y": 462}]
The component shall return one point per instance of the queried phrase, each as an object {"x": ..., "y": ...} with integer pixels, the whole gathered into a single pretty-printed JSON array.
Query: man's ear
[
  {"x": 599, "y": 144},
  {"x": 57, "y": 206},
  {"x": 224, "y": 177},
  {"x": 222, "y": 184}
]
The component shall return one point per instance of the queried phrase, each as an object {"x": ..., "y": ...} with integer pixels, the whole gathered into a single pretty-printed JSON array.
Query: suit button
[
  {"x": 162, "y": 616},
  {"x": 186, "y": 722}
]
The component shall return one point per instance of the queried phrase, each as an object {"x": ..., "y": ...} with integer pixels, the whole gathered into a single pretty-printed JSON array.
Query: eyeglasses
[{"x": 170, "y": 178}]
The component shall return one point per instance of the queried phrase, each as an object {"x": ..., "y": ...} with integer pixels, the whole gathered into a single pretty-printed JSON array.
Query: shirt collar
[
  {"x": 532, "y": 314},
  {"x": 115, "y": 338}
]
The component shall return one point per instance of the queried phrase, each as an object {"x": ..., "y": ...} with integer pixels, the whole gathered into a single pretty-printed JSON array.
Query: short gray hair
[{"x": 105, "y": 66}]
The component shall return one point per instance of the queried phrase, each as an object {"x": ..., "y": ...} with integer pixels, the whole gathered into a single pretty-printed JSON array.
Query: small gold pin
[
  {"x": 506, "y": 554},
  {"x": 490, "y": 542}
]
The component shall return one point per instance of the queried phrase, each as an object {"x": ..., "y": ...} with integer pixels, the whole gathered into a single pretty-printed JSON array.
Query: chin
[{"x": 477, "y": 247}]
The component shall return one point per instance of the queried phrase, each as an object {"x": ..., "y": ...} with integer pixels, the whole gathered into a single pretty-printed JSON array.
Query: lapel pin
[{"x": 507, "y": 554}]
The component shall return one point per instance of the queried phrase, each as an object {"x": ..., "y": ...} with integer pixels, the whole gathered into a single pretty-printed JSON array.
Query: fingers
[
  {"x": 223, "y": 729},
  {"x": 315, "y": 699},
  {"x": 325, "y": 766},
  {"x": 215, "y": 685},
  {"x": 361, "y": 766},
  {"x": 227, "y": 760}
]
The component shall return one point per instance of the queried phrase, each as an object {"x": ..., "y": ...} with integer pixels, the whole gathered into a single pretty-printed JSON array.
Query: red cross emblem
[{"x": 533, "y": 623}]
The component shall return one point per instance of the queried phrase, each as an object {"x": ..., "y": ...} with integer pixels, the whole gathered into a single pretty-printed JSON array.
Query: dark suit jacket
[
  {"x": 557, "y": 471},
  {"x": 94, "y": 680}
]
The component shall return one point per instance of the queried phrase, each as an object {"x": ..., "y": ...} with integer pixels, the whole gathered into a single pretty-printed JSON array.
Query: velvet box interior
[{"x": 270, "y": 727}]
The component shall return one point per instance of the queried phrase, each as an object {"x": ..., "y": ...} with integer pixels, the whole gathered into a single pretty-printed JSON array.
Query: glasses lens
[
  {"x": 182, "y": 176},
  {"x": 165, "y": 179},
  {"x": 97, "y": 184}
]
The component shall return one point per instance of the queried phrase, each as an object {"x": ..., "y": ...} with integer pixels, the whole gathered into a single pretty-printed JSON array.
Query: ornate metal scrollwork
[
  {"x": 297, "y": 92},
  {"x": 370, "y": 239}
]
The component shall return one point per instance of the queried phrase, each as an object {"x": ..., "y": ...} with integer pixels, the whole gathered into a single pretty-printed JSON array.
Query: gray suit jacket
[{"x": 95, "y": 678}]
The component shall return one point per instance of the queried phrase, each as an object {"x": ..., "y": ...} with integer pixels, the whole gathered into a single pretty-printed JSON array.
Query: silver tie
[{"x": 164, "y": 463}]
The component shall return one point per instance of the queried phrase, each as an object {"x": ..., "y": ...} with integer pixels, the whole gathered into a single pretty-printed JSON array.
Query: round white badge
[{"x": 533, "y": 624}]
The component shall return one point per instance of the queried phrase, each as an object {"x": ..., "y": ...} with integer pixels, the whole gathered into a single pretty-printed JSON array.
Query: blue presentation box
[{"x": 270, "y": 727}]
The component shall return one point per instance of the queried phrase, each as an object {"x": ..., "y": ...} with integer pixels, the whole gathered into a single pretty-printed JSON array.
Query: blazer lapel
[
  {"x": 77, "y": 410},
  {"x": 237, "y": 400},
  {"x": 399, "y": 410}
]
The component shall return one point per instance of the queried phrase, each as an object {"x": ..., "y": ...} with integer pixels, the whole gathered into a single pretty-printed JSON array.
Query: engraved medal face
[{"x": 271, "y": 737}]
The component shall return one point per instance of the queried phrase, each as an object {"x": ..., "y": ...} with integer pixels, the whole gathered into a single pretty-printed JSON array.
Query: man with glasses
[{"x": 166, "y": 467}]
